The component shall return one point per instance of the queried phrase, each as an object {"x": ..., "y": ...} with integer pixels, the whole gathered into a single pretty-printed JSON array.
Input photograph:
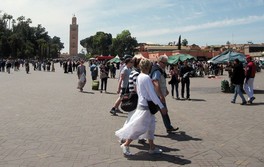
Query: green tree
[
  {"x": 124, "y": 44},
  {"x": 55, "y": 47},
  {"x": 25, "y": 41},
  {"x": 88, "y": 44},
  {"x": 179, "y": 43},
  {"x": 184, "y": 42},
  {"x": 103, "y": 44},
  {"x": 97, "y": 44}
]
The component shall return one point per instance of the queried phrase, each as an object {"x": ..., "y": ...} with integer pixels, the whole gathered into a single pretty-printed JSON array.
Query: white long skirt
[{"x": 140, "y": 125}]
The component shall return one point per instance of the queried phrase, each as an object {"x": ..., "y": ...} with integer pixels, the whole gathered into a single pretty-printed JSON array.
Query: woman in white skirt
[
  {"x": 142, "y": 122},
  {"x": 81, "y": 73}
]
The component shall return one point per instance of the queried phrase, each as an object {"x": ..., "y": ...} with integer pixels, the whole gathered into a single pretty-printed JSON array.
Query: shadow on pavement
[
  {"x": 196, "y": 100},
  {"x": 87, "y": 92},
  {"x": 146, "y": 147},
  {"x": 111, "y": 93},
  {"x": 145, "y": 156},
  {"x": 179, "y": 136},
  {"x": 256, "y": 104},
  {"x": 122, "y": 116},
  {"x": 257, "y": 91}
]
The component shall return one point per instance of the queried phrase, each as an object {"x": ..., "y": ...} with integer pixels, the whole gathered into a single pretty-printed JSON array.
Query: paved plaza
[{"x": 46, "y": 122}]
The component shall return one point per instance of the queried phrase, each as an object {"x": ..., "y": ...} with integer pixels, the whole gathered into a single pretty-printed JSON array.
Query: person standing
[
  {"x": 94, "y": 71},
  {"x": 81, "y": 73},
  {"x": 142, "y": 123},
  {"x": 70, "y": 66},
  {"x": 185, "y": 71},
  {"x": 103, "y": 76},
  {"x": 27, "y": 66},
  {"x": 112, "y": 70},
  {"x": 8, "y": 66},
  {"x": 174, "y": 82},
  {"x": 237, "y": 79},
  {"x": 250, "y": 75},
  {"x": 158, "y": 76},
  {"x": 65, "y": 66},
  {"x": 52, "y": 66},
  {"x": 122, "y": 85}
]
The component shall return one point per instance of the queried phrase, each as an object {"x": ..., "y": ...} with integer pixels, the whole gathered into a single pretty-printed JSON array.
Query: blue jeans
[
  {"x": 238, "y": 92},
  {"x": 185, "y": 81},
  {"x": 166, "y": 119},
  {"x": 176, "y": 86}
]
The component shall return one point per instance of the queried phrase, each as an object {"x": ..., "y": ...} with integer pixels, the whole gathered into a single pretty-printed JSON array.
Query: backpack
[{"x": 154, "y": 68}]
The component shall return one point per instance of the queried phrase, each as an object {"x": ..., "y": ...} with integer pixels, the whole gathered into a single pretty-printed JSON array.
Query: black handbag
[
  {"x": 129, "y": 102},
  {"x": 153, "y": 108}
]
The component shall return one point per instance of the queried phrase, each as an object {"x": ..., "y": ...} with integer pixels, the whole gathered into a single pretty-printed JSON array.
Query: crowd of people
[
  {"x": 149, "y": 81},
  {"x": 45, "y": 65}
]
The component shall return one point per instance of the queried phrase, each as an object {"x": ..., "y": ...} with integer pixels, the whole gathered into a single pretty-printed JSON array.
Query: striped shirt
[{"x": 132, "y": 79}]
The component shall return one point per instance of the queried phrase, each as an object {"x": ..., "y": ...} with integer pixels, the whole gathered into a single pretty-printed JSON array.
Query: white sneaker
[
  {"x": 155, "y": 151},
  {"x": 125, "y": 150}
]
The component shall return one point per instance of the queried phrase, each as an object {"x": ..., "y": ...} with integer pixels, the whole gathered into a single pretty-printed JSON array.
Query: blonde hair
[{"x": 145, "y": 65}]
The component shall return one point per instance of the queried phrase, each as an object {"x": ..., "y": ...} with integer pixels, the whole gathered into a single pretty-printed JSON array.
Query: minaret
[{"x": 74, "y": 37}]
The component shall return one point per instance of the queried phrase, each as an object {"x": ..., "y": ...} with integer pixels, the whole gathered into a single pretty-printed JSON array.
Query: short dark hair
[
  {"x": 128, "y": 60},
  {"x": 136, "y": 61}
]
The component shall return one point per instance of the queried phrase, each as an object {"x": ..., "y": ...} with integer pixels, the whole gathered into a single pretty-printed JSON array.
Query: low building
[
  {"x": 153, "y": 51},
  {"x": 254, "y": 50}
]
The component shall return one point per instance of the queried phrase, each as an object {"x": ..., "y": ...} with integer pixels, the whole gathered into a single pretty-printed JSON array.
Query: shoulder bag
[
  {"x": 153, "y": 108},
  {"x": 129, "y": 102}
]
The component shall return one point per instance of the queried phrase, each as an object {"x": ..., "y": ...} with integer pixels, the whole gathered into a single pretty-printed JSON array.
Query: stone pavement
[{"x": 46, "y": 122}]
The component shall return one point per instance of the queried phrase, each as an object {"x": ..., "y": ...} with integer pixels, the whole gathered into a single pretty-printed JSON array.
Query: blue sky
[{"x": 201, "y": 22}]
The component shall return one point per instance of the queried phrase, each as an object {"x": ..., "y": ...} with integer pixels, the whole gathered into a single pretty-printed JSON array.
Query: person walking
[
  {"x": 158, "y": 76},
  {"x": 122, "y": 85},
  {"x": 142, "y": 122},
  {"x": 237, "y": 79},
  {"x": 81, "y": 73},
  {"x": 250, "y": 75},
  {"x": 103, "y": 76}
]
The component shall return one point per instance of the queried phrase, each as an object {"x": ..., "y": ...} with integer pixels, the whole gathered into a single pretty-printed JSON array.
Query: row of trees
[
  {"x": 20, "y": 40},
  {"x": 104, "y": 44}
]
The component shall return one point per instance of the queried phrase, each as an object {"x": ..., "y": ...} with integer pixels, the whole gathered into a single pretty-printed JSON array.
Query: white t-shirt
[{"x": 146, "y": 91}]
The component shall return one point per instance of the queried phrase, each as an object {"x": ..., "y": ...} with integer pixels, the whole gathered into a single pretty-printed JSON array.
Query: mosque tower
[{"x": 74, "y": 37}]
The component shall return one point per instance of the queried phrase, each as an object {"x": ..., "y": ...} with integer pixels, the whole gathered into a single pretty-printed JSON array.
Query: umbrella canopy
[
  {"x": 179, "y": 57},
  {"x": 227, "y": 56},
  {"x": 115, "y": 60}
]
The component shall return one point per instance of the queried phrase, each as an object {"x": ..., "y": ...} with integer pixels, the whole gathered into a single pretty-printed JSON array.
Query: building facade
[
  {"x": 73, "y": 37},
  {"x": 202, "y": 53}
]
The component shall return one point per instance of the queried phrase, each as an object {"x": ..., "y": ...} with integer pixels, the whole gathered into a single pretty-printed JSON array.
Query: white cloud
[
  {"x": 146, "y": 20},
  {"x": 210, "y": 25}
]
